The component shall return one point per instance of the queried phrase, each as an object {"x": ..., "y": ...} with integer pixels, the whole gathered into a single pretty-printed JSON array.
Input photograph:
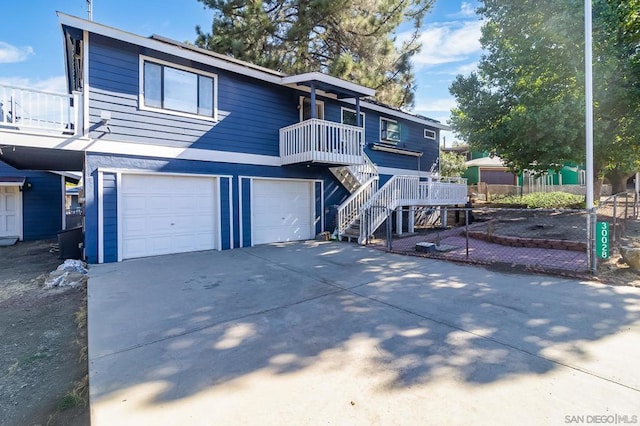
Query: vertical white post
[
  {"x": 588, "y": 72},
  {"x": 399, "y": 220},
  {"x": 412, "y": 219},
  {"x": 588, "y": 82}
]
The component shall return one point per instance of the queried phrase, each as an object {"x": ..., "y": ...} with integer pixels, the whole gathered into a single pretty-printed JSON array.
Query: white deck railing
[
  {"x": 409, "y": 191},
  {"x": 349, "y": 210},
  {"x": 319, "y": 141},
  {"x": 23, "y": 108}
]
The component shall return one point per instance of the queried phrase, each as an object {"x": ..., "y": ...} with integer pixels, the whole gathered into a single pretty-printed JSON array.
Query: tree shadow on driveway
[{"x": 312, "y": 317}]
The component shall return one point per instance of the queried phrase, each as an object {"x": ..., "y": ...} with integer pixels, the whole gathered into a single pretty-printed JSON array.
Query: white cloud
[
  {"x": 448, "y": 42},
  {"x": 466, "y": 69},
  {"x": 467, "y": 10},
  {"x": 440, "y": 105},
  {"x": 10, "y": 53},
  {"x": 51, "y": 84}
]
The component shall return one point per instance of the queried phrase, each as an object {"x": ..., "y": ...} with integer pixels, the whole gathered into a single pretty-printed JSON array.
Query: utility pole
[{"x": 588, "y": 86}]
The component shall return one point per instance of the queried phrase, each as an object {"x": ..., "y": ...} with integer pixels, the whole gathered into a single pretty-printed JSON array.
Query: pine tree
[{"x": 356, "y": 40}]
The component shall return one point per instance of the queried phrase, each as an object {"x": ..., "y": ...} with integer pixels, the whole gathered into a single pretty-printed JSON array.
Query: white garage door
[
  {"x": 167, "y": 214},
  {"x": 10, "y": 214},
  {"x": 281, "y": 211}
]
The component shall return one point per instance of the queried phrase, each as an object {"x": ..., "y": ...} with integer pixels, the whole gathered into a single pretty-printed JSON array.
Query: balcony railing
[
  {"x": 38, "y": 110},
  {"x": 319, "y": 141},
  {"x": 443, "y": 192}
]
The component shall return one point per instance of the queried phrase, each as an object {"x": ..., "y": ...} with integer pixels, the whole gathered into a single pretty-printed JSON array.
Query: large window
[
  {"x": 349, "y": 117},
  {"x": 178, "y": 90},
  {"x": 389, "y": 131}
]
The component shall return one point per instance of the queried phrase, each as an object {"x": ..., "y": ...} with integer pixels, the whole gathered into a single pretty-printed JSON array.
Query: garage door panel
[
  {"x": 167, "y": 214},
  {"x": 281, "y": 211}
]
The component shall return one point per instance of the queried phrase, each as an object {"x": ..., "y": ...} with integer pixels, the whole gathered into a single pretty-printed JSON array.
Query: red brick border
[{"x": 529, "y": 242}]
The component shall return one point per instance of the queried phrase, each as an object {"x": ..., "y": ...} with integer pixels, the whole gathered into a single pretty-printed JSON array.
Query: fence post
[
  {"x": 592, "y": 218},
  {"x": 626, "y": 207},
  {"x": 466, "y": 229},
  {"x": 365, "y": 227},
  {"x": 389, "y": 231},
  {"x": 615, "y": 219}
]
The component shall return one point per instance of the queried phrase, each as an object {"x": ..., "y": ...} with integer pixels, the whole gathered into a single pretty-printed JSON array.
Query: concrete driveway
[{"x": 334, "y": 333}]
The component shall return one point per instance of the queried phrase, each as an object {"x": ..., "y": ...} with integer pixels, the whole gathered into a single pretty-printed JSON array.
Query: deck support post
[
  {"x": 399, "y": 220},
  {"x": 412, "y": 219}
]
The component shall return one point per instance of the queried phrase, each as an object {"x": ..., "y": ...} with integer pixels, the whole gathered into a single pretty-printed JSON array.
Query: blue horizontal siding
[
  {"x": 411, "y": 138},
  {"x": 41, "y": 202},
  {"x": 250, "y": 112}
]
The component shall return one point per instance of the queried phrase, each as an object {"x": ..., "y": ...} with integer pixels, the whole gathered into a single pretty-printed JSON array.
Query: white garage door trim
[
  {"x": 216, "y": 218},
  {"x": 17, "y": 196},
  {"x": 286, "y": 231}
]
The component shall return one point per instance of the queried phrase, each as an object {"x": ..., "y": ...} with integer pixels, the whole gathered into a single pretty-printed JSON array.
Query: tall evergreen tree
[
  {"x": 526, "y": 101},
  {"x": 357, "y": 40}
]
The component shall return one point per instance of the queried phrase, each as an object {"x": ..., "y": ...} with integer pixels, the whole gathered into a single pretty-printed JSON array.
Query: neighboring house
[
  {"x": 489, "y": 170},
  {"x": 31, "y": 203},
  {"x": 183, "y": 149}
]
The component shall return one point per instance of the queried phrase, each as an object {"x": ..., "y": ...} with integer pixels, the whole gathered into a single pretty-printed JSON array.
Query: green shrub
[{"x": 544, "y": 200}]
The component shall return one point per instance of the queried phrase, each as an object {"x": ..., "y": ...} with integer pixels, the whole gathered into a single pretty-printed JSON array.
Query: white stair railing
[
  {"x": 349, "y": 211},
  {"x": 398, "y": 190},
  {"x": 365, "y": 171}
]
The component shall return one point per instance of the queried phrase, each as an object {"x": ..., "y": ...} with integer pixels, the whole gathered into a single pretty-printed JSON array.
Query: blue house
[
  {"x": 183, "y": 149},
  {"x": 31, "y": 203}
]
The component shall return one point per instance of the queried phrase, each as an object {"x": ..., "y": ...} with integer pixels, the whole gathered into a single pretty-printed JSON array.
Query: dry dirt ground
[
  {"x": 614, "y": 270},
  {"x": 42, "y": 369}
]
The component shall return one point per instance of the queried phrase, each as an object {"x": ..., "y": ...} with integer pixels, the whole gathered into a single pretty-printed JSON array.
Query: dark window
[
  {"x": 349, "y": 117},
  {"x": 389, "y": 131}
]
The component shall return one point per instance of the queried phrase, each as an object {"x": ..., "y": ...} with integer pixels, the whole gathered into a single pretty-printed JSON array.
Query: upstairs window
[
  {"x": 178, "y": 90},
  {"x": 349, "y": 117},
  {"x": 429, "y": 134},
  {"x": 389, "y": 131}
]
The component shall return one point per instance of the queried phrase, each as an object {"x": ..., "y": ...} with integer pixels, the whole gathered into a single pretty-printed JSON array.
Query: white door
[
  {"x": 281, "y": 211},
  {"x": 10, "y": 212},
  {"x": 167, "y": 214}
]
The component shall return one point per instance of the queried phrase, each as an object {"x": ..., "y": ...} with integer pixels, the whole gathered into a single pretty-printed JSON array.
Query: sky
[{"x": 31, "y": 52}]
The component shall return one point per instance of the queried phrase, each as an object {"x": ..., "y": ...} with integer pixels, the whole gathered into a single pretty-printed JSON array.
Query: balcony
[
  {"x": 37, "y": 111},
  {"x": 321, "y": 142}
]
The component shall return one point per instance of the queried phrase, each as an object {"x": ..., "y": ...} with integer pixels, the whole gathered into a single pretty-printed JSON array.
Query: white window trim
[
  {"x": 143, "y": 107},
  {"x": 387, "y": 141},
  {"x": 342, "y": 109},
  {"x": 319, "y": 103},
  {"x": 120, "y": 212},
  {"x": 426, "y": 131}
]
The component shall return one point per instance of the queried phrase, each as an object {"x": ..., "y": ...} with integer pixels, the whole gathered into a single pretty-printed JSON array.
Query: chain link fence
[
  {"x": 617, "y": 210},
  {"x": 552, "y": 241}
]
